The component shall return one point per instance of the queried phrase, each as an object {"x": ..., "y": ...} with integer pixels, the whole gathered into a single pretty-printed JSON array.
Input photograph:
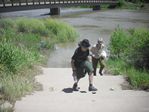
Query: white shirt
[{"x": 97, "y": 52}]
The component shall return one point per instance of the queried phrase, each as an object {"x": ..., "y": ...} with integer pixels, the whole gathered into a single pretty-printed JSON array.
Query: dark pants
[{"x": 95, "y": 63}]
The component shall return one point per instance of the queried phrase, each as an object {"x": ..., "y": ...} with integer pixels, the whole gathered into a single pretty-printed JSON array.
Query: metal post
[
  {"x": 33, "y": 2},
  {"x": 3, "y": 1},
  {"x": 44, "y": 2},
  {"x": 12, "y": 2},
  {"x": 19, "y": 2},
  {"x": 55, "y": 11},
  {"x": 26, "y": 2}
]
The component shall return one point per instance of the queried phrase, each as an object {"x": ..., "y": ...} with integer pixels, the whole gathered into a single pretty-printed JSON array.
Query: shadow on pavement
[
  {"x": 68, "y": 90},
  {"x": 83, "y": 92}
]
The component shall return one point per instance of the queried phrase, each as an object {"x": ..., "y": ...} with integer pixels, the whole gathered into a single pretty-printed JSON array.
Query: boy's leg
[
  {"x": 75, "y": 77},
  {"x": 91, "y": 87},
  {"x": 76, "y": 80},
  {"x": 89, "y": 68},
  {"x": 94, "y": 63},
  {"x": 91, "y": 78},
  {"x": 102, "y": 65}
]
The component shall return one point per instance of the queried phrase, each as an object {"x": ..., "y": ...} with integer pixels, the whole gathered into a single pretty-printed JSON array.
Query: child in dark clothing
[{"x": 80, "y": 65}]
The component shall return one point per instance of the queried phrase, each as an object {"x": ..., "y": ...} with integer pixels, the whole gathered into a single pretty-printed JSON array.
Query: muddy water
[{"x": 90, "y": 25}]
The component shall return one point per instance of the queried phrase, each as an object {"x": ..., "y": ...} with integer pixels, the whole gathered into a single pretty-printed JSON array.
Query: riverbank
[
  {"x": 24, "y": 44},
  {"x": 133, "y": 5},
  {"x": 129, "y": 56},
  {"x": 122, "y": 4}
]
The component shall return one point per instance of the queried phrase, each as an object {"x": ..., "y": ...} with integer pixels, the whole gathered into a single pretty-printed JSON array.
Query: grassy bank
[
  {"x": 138, "y": 79},
  {"x": 22, "y": 42},
  {"x": 123, "y": 4},
  {"x": 130, "y": 56}
]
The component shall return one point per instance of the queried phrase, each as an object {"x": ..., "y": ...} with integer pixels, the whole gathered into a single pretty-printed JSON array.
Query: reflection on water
[{"x": 90, "y": 25}]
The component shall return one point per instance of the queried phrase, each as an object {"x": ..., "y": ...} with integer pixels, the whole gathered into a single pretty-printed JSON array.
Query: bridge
[{"x": 54, "y": 5}]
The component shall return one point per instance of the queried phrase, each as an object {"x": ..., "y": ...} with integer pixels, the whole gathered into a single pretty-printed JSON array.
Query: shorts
[{"x": 85, "y": 67}]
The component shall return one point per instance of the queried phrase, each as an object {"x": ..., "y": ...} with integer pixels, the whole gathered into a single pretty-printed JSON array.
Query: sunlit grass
[
  {"x": 138, "y": 79},
  {"x": 21, "y": 44},
  {"x": 130, "y": 55}
]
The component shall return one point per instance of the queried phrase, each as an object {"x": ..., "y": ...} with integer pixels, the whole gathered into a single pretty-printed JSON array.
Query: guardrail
[{"x": 17, "y": 3}]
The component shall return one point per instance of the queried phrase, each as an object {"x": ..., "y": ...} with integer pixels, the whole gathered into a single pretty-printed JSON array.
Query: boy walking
[
  {"x": 81, "y": 65},
  {"x": 98, "y": 56}
]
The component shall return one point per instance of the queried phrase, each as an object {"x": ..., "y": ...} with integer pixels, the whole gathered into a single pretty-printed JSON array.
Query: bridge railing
[{"x": 10, "y": 3}]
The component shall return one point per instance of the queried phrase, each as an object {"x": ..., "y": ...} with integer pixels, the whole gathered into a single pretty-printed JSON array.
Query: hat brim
[{"x": 85, "y": 45}]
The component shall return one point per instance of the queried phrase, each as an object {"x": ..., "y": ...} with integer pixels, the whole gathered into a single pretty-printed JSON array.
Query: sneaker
[
  {"x": 75, "y": 87},
  {"x": 94, "y": 73},
  {"x": 101, "y": 73},
  {"x": 92, "y": 88}
]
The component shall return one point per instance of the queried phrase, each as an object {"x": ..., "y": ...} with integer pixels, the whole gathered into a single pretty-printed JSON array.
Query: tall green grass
[
  {"x": 130, "y": 55},
  {"x": 137, "y": 79},
  {"x": 21, "y": 43}
]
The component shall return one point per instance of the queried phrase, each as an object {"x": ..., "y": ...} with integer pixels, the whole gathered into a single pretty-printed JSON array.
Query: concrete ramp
[{"x": 57, "y": 95}]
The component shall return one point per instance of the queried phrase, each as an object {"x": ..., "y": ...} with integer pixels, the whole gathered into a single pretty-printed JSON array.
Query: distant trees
[{"x": 137, "y": 1}]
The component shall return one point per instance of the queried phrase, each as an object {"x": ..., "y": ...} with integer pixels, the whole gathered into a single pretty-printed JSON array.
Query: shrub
[
  {"x": 121, "y": 3},
  {"x": 119, "y": 43},
  {"x": 138, "y": 79},
  {"x": 13, "y": 59},
  {"x": 34, "y": 26},
  {"x": 130, "y": 55},
  {"x": 7, "y": 24},
  {"x": 131, "y": 4},
  {"x": 139, "y": 48},
  {"x": 62, "y": 31},
  {"x": 132, "y": 46},
  {"x": 21, "y": 44}
]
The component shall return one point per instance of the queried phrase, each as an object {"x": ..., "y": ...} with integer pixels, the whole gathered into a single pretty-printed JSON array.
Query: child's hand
[
  {"x": 89, "y": 59},
  {"x": 73, "y": 69},
  {"x": 102, "y": 57}
]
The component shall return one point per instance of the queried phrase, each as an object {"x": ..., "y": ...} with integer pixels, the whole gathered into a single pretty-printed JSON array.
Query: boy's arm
[
  {"x": 73, "y": 65},
  {"x": 74, "y": 57},
  {"x": 89, "y": 58},
  {"x": 92, "y": 51},
  {"x": 103, "y": 46},
  {"x": 89, "y": 55}
]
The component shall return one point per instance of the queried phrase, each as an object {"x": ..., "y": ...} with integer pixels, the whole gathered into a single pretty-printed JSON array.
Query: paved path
[{"x": 58, "y": 97}]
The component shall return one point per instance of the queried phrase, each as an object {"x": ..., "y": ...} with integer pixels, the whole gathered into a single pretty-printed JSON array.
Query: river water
[{"x": 90, "y": 25}]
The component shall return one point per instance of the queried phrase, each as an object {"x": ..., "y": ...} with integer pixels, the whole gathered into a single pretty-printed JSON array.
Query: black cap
[{"x": 85, "y": 43}]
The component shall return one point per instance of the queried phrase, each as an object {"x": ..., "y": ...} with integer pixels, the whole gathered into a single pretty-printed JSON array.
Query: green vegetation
[
  {"x": 122, "y": 4},
  {"x": 7, "y": 110},
  {"x": 102, "y": 6},
  {"x": 22, "y": 42},
  {"x": 136, "y": 4},
  {"x": 130, "y": 55}
]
